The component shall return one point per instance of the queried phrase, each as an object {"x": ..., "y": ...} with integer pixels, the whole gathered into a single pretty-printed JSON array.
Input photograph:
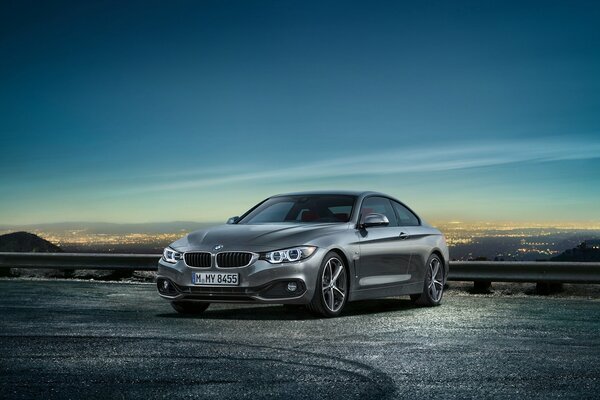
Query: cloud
[{"x": 396, "y": 161}]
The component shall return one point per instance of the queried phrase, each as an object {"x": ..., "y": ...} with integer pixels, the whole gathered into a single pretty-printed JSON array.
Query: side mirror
[
  {"x": 374, "y": 219},
  {"x": 233, "y": 220}
]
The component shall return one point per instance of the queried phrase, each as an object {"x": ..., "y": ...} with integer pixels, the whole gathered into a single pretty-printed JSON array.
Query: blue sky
[{"x": 158, "y": 111}]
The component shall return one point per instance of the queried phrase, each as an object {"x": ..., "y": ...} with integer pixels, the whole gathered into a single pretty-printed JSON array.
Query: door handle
[{"x": 403, "y": 235}]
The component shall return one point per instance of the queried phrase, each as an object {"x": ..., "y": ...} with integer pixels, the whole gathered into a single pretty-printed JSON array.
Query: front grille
[
  {"x": 200, "y": 260},
  {"x": 233, "y": 259}
]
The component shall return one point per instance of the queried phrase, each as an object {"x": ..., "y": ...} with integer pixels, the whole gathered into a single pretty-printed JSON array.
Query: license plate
[{"x": 215, "y": 279}]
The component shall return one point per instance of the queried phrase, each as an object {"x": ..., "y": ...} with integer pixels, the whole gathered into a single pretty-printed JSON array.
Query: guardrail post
[
  {"x": 482, "y": 287},
  {"x": 546, "y": 288}
]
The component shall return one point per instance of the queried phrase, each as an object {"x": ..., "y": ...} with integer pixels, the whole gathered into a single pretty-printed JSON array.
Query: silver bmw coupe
[{"x": 318, "y": 249}]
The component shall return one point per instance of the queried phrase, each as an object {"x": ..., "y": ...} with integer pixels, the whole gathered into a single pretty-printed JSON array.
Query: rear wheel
[
  {"x": 331, "y": 293},
  {"x": 188, "y": 307},
  {"x": 433, "y": 286}
]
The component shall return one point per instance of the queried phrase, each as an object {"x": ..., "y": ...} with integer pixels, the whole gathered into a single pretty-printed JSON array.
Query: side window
[
  {"x": 405, "y": 216},
  {"x": 379, "y": 205}
]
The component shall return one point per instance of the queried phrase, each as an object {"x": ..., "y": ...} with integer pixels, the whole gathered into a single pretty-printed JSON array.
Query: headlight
[
  {"x": 289, "y": 255},
  {"x": 171, "y": 256}
]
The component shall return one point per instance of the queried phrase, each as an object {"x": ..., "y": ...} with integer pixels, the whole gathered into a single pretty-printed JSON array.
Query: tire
[
  {"x": 189, "y": 308},
  {"x": 330, "y": 297},
  {"x": 433, "y": 284}
]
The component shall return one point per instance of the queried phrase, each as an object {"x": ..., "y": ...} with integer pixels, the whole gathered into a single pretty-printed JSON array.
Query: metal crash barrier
[{"x": 476, "y": 271}]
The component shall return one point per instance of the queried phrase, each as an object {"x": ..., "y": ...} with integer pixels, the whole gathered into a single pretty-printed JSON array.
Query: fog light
[
  {"x": 166, "y": 286},
  {"x": 292, "y": 286}
]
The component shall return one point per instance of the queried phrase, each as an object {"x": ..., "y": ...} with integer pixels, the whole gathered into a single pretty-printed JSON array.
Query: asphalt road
[{"x": 106, "y": 340}]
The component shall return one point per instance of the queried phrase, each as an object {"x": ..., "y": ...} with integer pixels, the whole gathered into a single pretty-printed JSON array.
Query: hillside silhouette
[
  {"x": 587, "y": 251},
  {"x": 26, "y": 242}
]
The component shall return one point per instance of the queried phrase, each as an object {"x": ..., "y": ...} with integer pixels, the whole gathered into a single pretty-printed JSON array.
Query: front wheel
[
  {"x": 331, "y": 293},
  {"x": 188, "y": 307},
  {"x": 433, "y": 287}
]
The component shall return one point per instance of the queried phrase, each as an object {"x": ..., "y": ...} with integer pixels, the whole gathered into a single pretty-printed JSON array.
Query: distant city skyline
[
  {"x": 195, "y": 111},
  {"x": 502, "y": 241}
]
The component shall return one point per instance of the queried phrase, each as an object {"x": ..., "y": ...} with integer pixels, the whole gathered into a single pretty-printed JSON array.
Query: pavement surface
[{"x": 87, "y": 340}]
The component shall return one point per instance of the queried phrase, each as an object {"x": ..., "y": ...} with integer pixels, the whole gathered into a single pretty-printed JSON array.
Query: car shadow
[{"x": 278, "y": 312}]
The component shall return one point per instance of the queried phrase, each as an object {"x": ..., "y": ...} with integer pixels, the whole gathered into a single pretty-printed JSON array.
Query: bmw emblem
[{"x": 218, "y": 247}]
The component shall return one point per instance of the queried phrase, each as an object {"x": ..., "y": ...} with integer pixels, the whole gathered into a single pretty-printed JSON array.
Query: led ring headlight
[
  {"x": 171, "y": 256},
  {"x": 289, "y": 255}
]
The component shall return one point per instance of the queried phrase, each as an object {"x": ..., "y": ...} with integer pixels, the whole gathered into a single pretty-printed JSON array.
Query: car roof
[
  {"x": 332, "y": 192},
  {"x": 357, "y": 193}
]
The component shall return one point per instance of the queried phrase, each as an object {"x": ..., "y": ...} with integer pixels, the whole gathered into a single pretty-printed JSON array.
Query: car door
[
  {"x": 384, "y": 256},
  {"x": 413, "y": 240}
]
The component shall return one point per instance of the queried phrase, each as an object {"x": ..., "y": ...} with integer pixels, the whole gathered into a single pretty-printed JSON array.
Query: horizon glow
[{"x": 196, "y": 111}]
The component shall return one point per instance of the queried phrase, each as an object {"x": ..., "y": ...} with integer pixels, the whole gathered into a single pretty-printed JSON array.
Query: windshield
[{"x": 302, "y": 209}]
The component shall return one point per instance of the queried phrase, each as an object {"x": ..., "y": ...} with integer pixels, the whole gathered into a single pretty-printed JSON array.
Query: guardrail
[
  {"x": 131, "y": 262},
  {"x": 477, "y": 271},
  {"x": 525, "y": 271}
]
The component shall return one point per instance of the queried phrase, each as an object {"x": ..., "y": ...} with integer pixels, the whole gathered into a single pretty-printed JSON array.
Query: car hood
[{"x": 255, "y": 237}]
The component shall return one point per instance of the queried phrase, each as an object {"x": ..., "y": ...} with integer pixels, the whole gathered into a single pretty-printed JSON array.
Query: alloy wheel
[
  {"x": 435, "y": 275},
  {"x": 334, "y": 284}
]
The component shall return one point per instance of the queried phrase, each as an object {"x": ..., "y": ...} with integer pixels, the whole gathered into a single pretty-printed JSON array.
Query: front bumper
[{"x": 260, "y": 282}]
